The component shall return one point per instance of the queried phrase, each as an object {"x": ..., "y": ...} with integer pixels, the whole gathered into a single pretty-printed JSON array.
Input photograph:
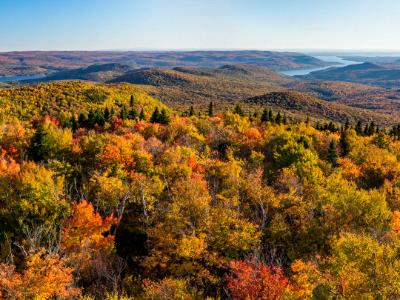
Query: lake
[
  {"x": 19, "y": 78},
  {"x": 335, "y": 60}
]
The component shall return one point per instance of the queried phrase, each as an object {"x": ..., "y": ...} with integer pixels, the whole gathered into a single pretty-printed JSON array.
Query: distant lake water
[
  {"x": 335, "y": 60},
  {"x": 19, "y": 78}
]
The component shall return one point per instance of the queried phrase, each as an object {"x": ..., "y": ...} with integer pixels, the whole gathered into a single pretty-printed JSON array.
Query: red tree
[{"x": 252, "y": 280}]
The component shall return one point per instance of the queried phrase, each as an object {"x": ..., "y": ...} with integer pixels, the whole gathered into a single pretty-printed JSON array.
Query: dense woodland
[{"x": 106, "y": 193}]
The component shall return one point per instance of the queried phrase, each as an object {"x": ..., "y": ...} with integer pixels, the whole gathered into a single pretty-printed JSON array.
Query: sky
[{"x": 199, "y": 24}]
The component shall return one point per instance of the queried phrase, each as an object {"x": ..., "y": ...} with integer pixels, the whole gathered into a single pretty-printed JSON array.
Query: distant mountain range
[{"x": 47, "y": 62}]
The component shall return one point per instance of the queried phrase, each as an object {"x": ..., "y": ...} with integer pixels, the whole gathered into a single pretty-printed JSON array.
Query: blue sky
[{"x": 199, "y": 24}]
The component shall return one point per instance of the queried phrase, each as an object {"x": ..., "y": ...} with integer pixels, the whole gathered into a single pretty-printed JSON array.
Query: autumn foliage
[{"x": 255, "y": 280}]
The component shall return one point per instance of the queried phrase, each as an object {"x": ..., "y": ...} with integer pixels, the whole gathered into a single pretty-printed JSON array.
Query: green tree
[
  {"x": 238, "y": 110},
  {"x": 155, "y": 117},
  {"x": 211, "y": 109},
  {"x": 344, "y": 143},
  {"x": 332, "y": 153}
]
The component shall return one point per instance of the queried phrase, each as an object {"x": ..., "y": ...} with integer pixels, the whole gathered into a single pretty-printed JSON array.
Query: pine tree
[
  {"x": 344, "y": 143},
  {"x": 238, "y": 110},
  {"x": 74, "y": 124},
  {"x": 347, "y": 125},
  {"x": 82, "y": 120},
  {"x": 132, "y": 102},
  {"x": 278, "y": 119},
  {"x": 123, "y": 114},
  {"x": 141, "y": 115},
  {"x": 270, "y": 116},
  {"x": 359, "y": 128},
  {"x": 366, "y": 129},
  {"x": 265, "y": 116},
  {"x": 164, "y": 118},
  {"x": 36, "y": 149},
  {"x": 107, "y": 114},
  {"x": 191, "y": 111},
  {"x": 211, "y": 109},
  {"x": 91, "y": 119},
  {"x": 371, "y": 128},
  {"x": 133, "y": 114},
  {"x": 155, "y": 117},
  {"x": 284, "y": 119},
  {"x": 332, "y": 153}
]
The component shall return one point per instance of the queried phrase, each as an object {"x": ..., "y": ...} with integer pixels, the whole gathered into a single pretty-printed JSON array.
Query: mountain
[
  {"x": 48, "y": 62},
  {"x": 366, "y": 73},
  {"x": 352, "y": 94},
  {"x": 225, "y": 85},
  {"x": 306, "y": 105},
  {"x": 96, "y": 72}
]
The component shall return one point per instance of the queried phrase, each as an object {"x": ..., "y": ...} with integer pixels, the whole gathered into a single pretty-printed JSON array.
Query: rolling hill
[
  {"x": 305, "y": 105},
  {"x": 366, "y": 73},
  {"x": 96, "y": 72}
]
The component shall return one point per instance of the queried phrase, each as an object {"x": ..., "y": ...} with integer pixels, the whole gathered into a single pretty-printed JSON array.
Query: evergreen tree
[
  {"x": 82, "y": 120},
  {"x": 366, "y": 129},
  {"x": 270, "y": 116},
  {"x": 132, "y": 101},
  {"x": 265, "y": 116},
  {"x": 359, "y": 128},
  {"x": 278, "y": 119},
  {"x": 123, "y": 114},
  {"x": 211, "y": 109},
  {"x": 191, "y": 111},
  {"x": 284, "y": 119},
  {"x": 238, "y": 110},
  {"x": 332, "y": 153},
  {"x": 133, "y": 114},
  {"x": 164, "y": 118},
  {"x": 347, "y": 125},
  {"x": 91, "y": 120},
  {"x": 36, "y": 150},
  {"x": 344, "y": 143},
  {"x": 107, "y": 114},
  {"x": 155, "y": 117},
  {"x": 141, "y": 115},
  {"x": 99, "y": 117},
  {"x": 371, "y": 128},
  {"x": 74, "y": 124}
]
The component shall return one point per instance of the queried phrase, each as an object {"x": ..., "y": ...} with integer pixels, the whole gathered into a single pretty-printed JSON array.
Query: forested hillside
[{"x": 107, "y": 193}]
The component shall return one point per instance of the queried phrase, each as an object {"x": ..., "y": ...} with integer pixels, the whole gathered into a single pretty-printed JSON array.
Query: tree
[
  {"x": 359, "y": 128},
  {"x": 255, "y": 280},
  {"x": 132, "y": 102},
  {"x": 344, "y": 143},
  {"x": 346, "y": 125},
  {"x": 278, "y": 119},
  {"x": 238, "y": 110},
  {"x": 37, "y": 150},
  {"x": 123, "y": 114},
  {"x": 265, "y": 116},
  {"x": 155, "y": 117},
  {"x": 191, "y": 111},
  {"x": 141, "y": 115},
  {"x": 164, "y": 118},
  {"x": 332, "y": 153},
  {"x": 45, "y": 277},
  {"x": 211, "y": 109}
]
